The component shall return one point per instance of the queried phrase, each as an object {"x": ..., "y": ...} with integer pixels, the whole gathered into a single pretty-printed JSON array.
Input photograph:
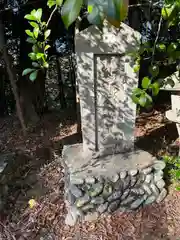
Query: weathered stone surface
[
  {"x": 159, "y": 165},
  {"x": 114, "y": 196},
  {"x": 158, "y": 175},
  {"x": 113, "y": 206},
  {"x": 126, "y": 182},
  {"x": 137, "y": 191},
  {"x": 82, "y": 201},
  {"x": 162, "y": 195},
  {"x": 154, "y": 189},
  {"x": 114, "y": 178},
  {"x": 125, "y": 194},
  {"x": 97, "y": 200},
  {"x": 133, "y": 172},
  {"x": 141, "y": 179},
  {"x": 96, "y": 189},
  {"x": 76, "y": 191},
  {"x": 147, "y": 170},
  {"x": 90, "y": 180},
  {"x": 72, "y": 216},
  {"x": 137, "y": 203},
  {"x": 107, "y": 191},
  {"x": 148, "y": 178},
  {"x": 133, "y": 181},
  {"x": 103, "y": 207},
  {"x": 87, "y": 207},
  {"x": 150, "y": 200},
  {"x": 71, "y": 198},
  {"x": 76, "y": 181},
  {"x": 91, "y": 216},
  {"x": 160, "y": 184},
  {"x": 147, "y": 189},
  {"x": 123, "y": 174},
  {"x": 118, "y": 185},
  {"x": 127, "y": 201}
]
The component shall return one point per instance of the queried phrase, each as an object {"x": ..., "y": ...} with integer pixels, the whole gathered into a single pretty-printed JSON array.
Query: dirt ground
[{"x": 42, "y": 180}]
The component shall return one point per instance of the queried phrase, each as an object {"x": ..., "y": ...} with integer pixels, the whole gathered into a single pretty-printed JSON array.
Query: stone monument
[{"x": 106, "y": 173}]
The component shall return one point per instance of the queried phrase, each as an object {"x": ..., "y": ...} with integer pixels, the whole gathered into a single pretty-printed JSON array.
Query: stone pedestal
[{"x": 124, "y": 181}]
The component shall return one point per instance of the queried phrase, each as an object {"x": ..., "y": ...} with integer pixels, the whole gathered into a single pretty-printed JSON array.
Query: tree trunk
[{"x": 11, "y": 75}]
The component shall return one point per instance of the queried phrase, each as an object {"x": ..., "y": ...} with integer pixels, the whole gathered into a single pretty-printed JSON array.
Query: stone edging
[{"x": 125, "y": 191}]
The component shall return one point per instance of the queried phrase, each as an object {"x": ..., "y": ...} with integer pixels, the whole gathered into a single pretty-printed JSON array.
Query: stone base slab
[{"x": 125, "y": 182}]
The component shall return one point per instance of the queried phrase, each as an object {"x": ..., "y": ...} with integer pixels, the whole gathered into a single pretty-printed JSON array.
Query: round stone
[
  {"x": 125, "y": 194},
  {"x": 162, "y": 195},
  {"x": 158, "y": 175},
  {"x": 97, "y": 200},
  {"x": 123, "y": 174},
  {"x": 114, "y": 178},
  {"x": 90, "y": 180},
  {"x": 82, "y": 201},
  {"x": 148, "y": 178},
  {"x": 126, "y": 182},
  {"x": 154, "y": 189},
  {"x": 133, "y": 172},
  {"x": 96, "y": 189},
  {"x": 150, "y": 200},
  {"x": 147, "y": 189},
  {"x": 87, "y": 207},
  {"x": 128, "y": 200},
  {"x": 107, "y": 190},
  {"x": 133, "y": 181},
  {"x": 76, "y": 191},
  {"x": 113, "y": 206},
  {"x": 118, "y": 185},
  {"x": 159, "y": 165},
  {"x": 136, "y": 204},
  {"x": 76, "y": 181},
  {"x": 160, "y": 184},
  {"x": 72, "y": 216},
  {"x": 116, "y": 195},
  {"x": 103, "y": 207},
  {"x": 147, "y": 170},
  {"x": 91, "y": 216},
  {"x": 137, "y": 191}
]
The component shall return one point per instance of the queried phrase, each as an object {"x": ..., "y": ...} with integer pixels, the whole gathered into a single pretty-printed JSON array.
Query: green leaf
[
  {"x": 178, "y": 188},
  {"x": 31, "y": 40},
  {"x": 38, "y": 14},
  {"x": 39, "y": 55},
  {"x": 161, "y": 47},
  {"x": 51, "y": 3},
  {"x": 155, "y": 88},
  {"x": 47, "y": 33},
  {"x": 27, "y": 71},
  {"x": 36, "y": 32},
  {"x": 35, "y": 64},
  {"x": 154, "y": 70},
  {"x": 35, "y": 49},
  {"x": 136, "y": 68},
  {"x": 135, "y": 99},
  {"x": 59, "y": 2},
  {"x": 172, "y": 47},
  {"x": 46, "y": 65},
  {"x": 30, "y": 17},
  {"x": 149, "y": 98},
  {"x": 29, "y": 33},
  {"x": 33, "y": 75},
  {"x": 32, "y": 56},
  {"x": 47, "y": 47},
  {"x": 95, "y": 17},
  {"x": 166, "y": 11},
  {"x": 70, "y": 11},
  {"x": 142, "y": 100},
  {"x": 146, "y": 82},
  {"x": 34, "y": 24}
]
